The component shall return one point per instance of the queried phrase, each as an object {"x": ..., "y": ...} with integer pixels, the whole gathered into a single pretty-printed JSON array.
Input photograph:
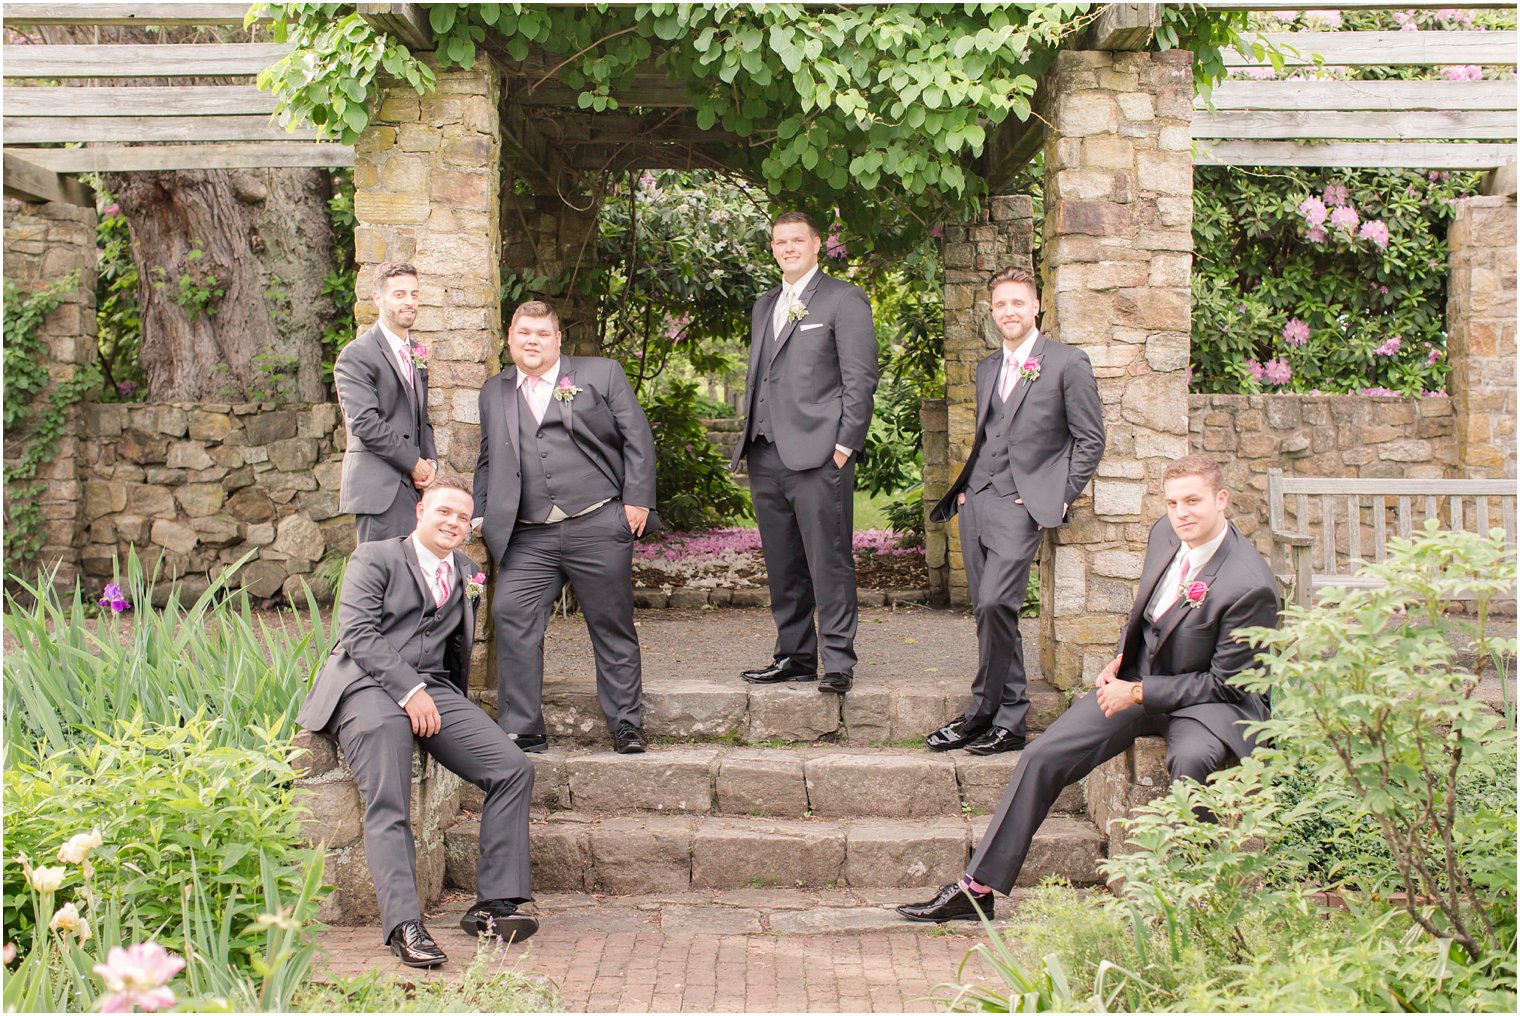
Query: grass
[{"x": 870, "y": 512}]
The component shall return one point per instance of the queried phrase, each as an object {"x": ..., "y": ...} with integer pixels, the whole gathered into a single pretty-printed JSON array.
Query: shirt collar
[
  {"x": 395, "y": 340},
  {"x": 796, "y": 288},
  {"x": 428, "y": 560},
  {"x": 1021, "y": 354},
  {"x": 551, "y": 375},
  {"x": 1197, "y": 557}
]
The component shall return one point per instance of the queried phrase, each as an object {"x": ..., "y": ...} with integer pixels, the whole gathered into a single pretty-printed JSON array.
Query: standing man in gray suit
[
  {"x": 1039, "y": 437},
  {"x": 811, "y": 385},
  {"x": 399, "y": 670},
  {"x": 382, "y": 388},
  {"x": 1201, "y": 583},
  {"x": 563, "y": 486}
]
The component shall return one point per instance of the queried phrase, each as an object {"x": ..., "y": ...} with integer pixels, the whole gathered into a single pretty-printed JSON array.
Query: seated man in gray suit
[
  {"x": 381, "y": 379},
  {"x": 399, "y": 670},
  {"x": 1200, "y": 584},
  {"x": 563, "y": 486}
]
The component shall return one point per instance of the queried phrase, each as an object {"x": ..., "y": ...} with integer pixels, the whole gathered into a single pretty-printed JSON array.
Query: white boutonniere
[
  {"x": 419, "y": 356},
  {"x": 1030, "y": 371},
  {"x": 566, "y": 390},
  {"x": 797, "y": 311},
  {"x": 474, "y": 585}
]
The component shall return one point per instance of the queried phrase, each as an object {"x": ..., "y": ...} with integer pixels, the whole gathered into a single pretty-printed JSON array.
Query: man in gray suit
[
  {"x": 811, "y": 385},
  {"x": 563, "y": 486},
  {"x": 1039, "y": 437},
  {"x": 399, "y": 671},
  {"x": 1201, "y": 583},
  {"x": 382, "y": 388}
]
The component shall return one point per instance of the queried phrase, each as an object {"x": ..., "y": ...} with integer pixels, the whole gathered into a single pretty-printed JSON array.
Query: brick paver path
[{"x": 742, "y": 950}]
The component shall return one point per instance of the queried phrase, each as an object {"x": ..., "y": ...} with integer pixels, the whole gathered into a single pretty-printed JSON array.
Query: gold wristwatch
[{"x": 1137, "y": 693}]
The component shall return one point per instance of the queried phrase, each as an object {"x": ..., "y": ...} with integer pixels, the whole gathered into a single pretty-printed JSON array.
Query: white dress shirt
[
  {"x": 428, "y": 562},
  {"x": 1196, "y": 557},
  {"x": 1020, "y": 357}
]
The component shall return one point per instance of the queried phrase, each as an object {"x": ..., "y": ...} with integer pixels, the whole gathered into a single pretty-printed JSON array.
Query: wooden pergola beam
[
  {"x": 406, "y": 22},
  {"x": 31, "y": 182},
  {"x": 1354, "y": 5},
  {"x": 1124, "y": 27},
  {"x": 54, "y": 130},
  {"x": 152, "y": 158},
  {"x": 1387, "y": 95},
  {"x": 1426, "y": 125},
  {"x": 186, "y": 60},
  {"x": 1353, "y": 155},
  {"x": 131, "y": 101},
  {"x": 126, "y": 14},
  {"x": 1369, "y": 49}
]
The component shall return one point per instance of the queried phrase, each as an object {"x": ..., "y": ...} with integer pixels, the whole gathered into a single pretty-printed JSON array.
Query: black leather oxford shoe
[
  {"x": 628, "y": 740},
  {"x": 996, "y": 740},
  {"x": 838, "y": 683},
  {"x": 953, "y": 902},
  {"x": 499, "y": 918},
  {"x": 956, "y": 734},
  {"x": 783, "y": 669},
  {"x": 531, "y": 742},
  {"x": 411, "y": 941}
]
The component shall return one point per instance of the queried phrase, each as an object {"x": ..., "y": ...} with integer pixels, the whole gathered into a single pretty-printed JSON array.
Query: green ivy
[
  {"x": 874, "y": 113},
  {"x": 29, "y": 405},
  {"x": 118, "y": 318}
]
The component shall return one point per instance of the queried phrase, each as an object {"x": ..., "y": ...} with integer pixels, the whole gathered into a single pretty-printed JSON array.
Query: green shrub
[{"x": 696, "y": 489}]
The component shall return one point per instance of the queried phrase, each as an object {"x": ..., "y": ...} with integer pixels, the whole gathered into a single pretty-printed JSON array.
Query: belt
[{"x": 557, "y": 514}]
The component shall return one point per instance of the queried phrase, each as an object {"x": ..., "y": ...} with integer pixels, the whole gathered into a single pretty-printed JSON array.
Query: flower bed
[{"x": 731, "y": 559}]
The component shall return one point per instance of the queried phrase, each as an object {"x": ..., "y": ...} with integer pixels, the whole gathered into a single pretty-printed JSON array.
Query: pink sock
[{"x": 975, "y": 886}]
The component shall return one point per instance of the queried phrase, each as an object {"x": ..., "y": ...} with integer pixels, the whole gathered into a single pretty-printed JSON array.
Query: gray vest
[
  {"x": 992, "y": 468},
  {"x": 554, "y": 469},
  {"x": 761, "y": 411},
  {"x": 438, "y": 624}
]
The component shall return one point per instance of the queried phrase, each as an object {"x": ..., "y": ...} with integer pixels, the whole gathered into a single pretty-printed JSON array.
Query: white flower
[
  {"x": 67, "y": 919},
  {"x": 47, "y": 880},
  {"x": 78, "y": 846},
  {"x": 797, "y": 311}
]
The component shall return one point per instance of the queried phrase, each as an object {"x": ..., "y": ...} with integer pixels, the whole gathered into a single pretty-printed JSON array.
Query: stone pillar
[
  {"x": 1117, "y": 257},
  {"x": 551, "y": 248},
  {"x": 1480, "y": 335},
  {"x": 45, "y": 243},
  {"x": 972, "y": 253},
  {"x": 936, "y": 476}
]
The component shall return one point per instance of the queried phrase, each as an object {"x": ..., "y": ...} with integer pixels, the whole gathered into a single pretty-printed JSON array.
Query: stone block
[
  {"x": 561, "y": 856},
  {"x": 694, "y": 709},
  {"x": 733, "y": 853},
  {"x": 915, "y": 711},
  {"x": 761, "y": 783},
  {"x": 336, "y": 813},
  {"x": 293, "y": 454},
  {"x": 199, "y": 500},
  {"x": 188, "y": 455},
  {"x": 896, "y": 854},
  {"x": 1097, "y": 218},
  {"x": 264, "y": 578},
  {"x": 640, "y": 855},
  {"x": 676, "y": 781},
  {"x": 900, "y": 786},
  {"x": 1068, "y": 848},
  {"x": 175, "y": 536},
  {"x": 208, "y": 426},
  {"x": 267, "y": 428},
  {"x": 216, "y": 532},
  {"x": 317, "y": 754},
  {"x": 300, "y": 538},
  {"x": 251, "y": 505},
  {"x": 867, "y": 713},
  {"x": 791, "y": 712},
  {"x": 379, "y": 207}
]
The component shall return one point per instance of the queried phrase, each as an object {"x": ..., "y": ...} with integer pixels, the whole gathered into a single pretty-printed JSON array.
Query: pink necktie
[
  {"x": 1010, "y": 376},
  {"x": 530, "y": 386},
  {"x": 441, "y": 590},
  {"x": 406, "y": 365}
]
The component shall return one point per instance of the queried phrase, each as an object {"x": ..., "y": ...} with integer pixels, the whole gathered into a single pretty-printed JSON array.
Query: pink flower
[
  {"x": 1278, "y": 372},
  {"x": 1313, "y": 210},
  {"x": 937, "y": 230},
  {"x": 1434, "y": 357},
  {"x": 137, "y": 976},
  {"x": 1188, "y": 376},
  {"x": 1030, "y": 371},
  {"x": 1389, "y": 348},
  {"x": 1335, "y": 194},
  {"x": 112, "y": 210},
  {"x": 1380, "y": 391},
  {"x": 1193, "y": 593},
  {"x": 676, "y": 325},
  {"x": 1467, "y": 72},
  {"x": 419, "y": 356},
  {"x": 1286, "y": 17},
  {"x": 1256, "y": 369},
  {"x": 1406, "y": 20},
  {"x": 1295, "y": 332},
  {"x": 1264, "y": 73},
  {"x": 1376, "y": 231},
  {"x": 112, "y": 596},
  {"x": 1344, "y": 218},
  {"x": 1316, "y": 234},
  {"x": 1324, "y": 19},
  {"x": 835, "y": 247}
]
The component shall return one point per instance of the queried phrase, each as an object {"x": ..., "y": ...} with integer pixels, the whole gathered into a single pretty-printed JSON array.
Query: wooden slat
[
  {"x": 33, "y": 131},
  {"x": 1365, "y": 49},
  {"x": 30, "y": 182},
  {"x": 1354, "y": 154},
  {"x": 1430, "y": 507},
  {"x": 1354, "y": 526},
  {"x": 406, "y": 22},
  {"x": 1507, "y": 509},
  {"x": 1406, "y": 517},
  {"x": 186, "y": 100},
  {"x": 1301, "y": 524},
  {"x": 1379, "y": 527},
  {"x": 1435, "y": 487},
  {"x": 1456, "y": 514},
  {"x": 1480, "y": 505},
  {"x": 1430, "y": 125},
  {"x": 233, "y": 59},
  {"x": 125, "y": 14},
  {"x": 1124, "y": 27},
  {"x": 1353, "y": 5},
  {"x": 231, "y": 155},
  {"x": 1327, "y": 532},
  {"x": 1370, "y": 95}
]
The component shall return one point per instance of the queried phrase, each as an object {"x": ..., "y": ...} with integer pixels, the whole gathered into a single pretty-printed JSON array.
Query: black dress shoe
[
  {"x": 996, "y": 740},
  {"x": 956, "y": 734},
  {"x": 411, "y": 941},
  {"x": 954, "y": 902},
  {"x": 839, "y": 683},
  {"x": 783, "y": 669},
  {"x": 531, "y": 742},
  {"x": 498, "y": 918},
  {"x": 628, "y": 740}
]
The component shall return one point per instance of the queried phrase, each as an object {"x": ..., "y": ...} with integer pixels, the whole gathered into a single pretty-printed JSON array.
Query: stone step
[
  {"x": 667, "y": 853},
  {"x": 830, "y": 782}
]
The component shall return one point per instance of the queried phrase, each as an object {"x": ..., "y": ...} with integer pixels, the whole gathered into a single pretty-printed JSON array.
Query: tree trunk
[{"x": 261, "y": 238}]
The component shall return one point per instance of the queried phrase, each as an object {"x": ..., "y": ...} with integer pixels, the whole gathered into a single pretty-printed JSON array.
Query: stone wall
[
  {"x": 1317, "y": 435},
  {"x": 1480, "y": 343},
  {"x": 45, "y": 243},
  {"x": 194, "y": 487}
]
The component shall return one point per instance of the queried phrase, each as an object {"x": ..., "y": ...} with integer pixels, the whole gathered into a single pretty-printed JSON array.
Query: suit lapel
[
  {"x": 1181, "y": 609},
  {"x": 1036, "y": 353},
  {"x": 464, "y": 566},
  {"x": 409, "y": 552},
  {"x": 763, "y": 334},
  {"x": 383, "y": 350},
  {"x": 986, "y": 390},
  {"x": 791, "y": 326},
  {"x": 566, "y": 373}
]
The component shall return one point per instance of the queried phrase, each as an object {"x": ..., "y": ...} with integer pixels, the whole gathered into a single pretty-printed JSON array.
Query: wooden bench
[{"x": 1331, "y": 506}]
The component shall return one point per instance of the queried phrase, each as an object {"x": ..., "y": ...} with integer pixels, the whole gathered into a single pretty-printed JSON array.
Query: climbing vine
[
  {"x": 29, "y": 405},
  {"x": 873, "y": 114}
]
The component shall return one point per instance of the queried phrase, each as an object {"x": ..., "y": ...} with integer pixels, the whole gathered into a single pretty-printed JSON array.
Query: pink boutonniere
[
  {"x": 474, "y": 585},
  {"x": 1193, "y": 593},
  {"x": 1030, "y": 371},
  {"x": 419, "y": 356},
  {"x": 566, "y": 390}
]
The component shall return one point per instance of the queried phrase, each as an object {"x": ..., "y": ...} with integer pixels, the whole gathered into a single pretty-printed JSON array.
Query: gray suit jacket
[
  {"x": 605, "y": 420},
  {"x": 379, "y": 613},
  {"x": 385, "y": 436},
  {"x": 1195, "y": 652},
  {"x": 823, "y": 373},
  {"x": 1056, "y": 436}
]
